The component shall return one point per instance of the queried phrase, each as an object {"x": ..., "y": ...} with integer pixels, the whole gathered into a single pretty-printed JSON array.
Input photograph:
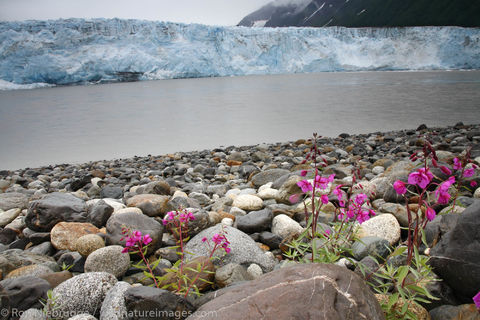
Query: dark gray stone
[
  {"x": 255, "y": 221},
  {"x": 99, "y": 214},
  {"x": 370, "y": 246},
  {"x": 25, "y": 292},
  {"x": 267, "y": 176},
  {"x": 112, "y": 192},
  {"x": 272, "y": 240},
  {"x": 134, "y": 221},
  {"x": 456, "y": 258},
  {"x": 53, "y": 208},
  {"x": 140, "y": 301}
]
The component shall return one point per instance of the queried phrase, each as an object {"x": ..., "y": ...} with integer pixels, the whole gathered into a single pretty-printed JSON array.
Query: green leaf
[
  {"x": 392, "y": 300},
  {"x": 402, "y": 272},
  {"x": 398, "y": 251}
]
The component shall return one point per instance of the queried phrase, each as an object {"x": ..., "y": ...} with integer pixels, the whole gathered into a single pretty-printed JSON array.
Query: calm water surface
[{"x": 83, "y": 123}]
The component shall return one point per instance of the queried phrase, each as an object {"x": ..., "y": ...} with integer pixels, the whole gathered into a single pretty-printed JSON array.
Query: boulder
[
  {"x": 456, "y": 257},
  {"x": 267, "y": 176},
  {"x": 384, "y": 226},
  {"x": 283, "y": 226},
  {"x": 244, "y": 250},
  {"x": 134, "y": 221},
  {"x": 152, "y": 205},
  {"x": 248, "y": 202},
  {"x": 162, "y": 304},
  {"x": 24, "y": 292},
  {"x": 113, "y": 307},
  {"x": 306, "y": 291},
  {"x": 8, "y": 216},
  {"x": 53, "y": 208},
  {"x": 84, "y": 293},
  {"x": 108, "y": 259},
  {"x": 65, "y": 234},
  {"x": 255, "y": 221},
  {"x": 13, "y": 200}
]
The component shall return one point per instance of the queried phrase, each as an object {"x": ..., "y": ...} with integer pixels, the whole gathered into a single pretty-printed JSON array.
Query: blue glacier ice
[{"x": 98, "y": 50}]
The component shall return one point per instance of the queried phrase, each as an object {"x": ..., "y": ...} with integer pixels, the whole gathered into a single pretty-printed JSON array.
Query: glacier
[{"x": 77, "y": 51}]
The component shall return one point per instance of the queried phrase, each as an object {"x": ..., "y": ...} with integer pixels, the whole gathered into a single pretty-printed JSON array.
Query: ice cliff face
[{"x": 78, "y": 51}]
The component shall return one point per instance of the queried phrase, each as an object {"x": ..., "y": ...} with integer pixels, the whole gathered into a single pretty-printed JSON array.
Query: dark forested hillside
[{"x": 368, "y": 13}]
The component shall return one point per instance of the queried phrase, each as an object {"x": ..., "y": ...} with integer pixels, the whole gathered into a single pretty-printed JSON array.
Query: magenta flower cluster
[
  {"x": 423, "y": 177},
  {"x": 182, "y": 217},
  {"x": 319, "y": 182},
  {"x": 355, "y": 209},
  {"x": 476, "y": 300},
  {"x": 220, "y": 241},
  {"x": 135, "y": 241}
]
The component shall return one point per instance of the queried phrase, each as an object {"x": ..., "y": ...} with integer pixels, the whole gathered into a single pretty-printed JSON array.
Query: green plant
[
  {"x": 182, "y": 277},
  {"x": 327, "y": 245},
  {"x": 49, "y": 305},
  {"x": 66, "y": 267}
]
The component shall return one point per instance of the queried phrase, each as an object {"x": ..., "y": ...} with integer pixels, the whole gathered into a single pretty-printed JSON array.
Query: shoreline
[{"x": 361, "y": 136}]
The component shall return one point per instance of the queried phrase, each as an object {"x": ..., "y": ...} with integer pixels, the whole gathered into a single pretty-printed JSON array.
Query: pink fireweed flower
[
  {"x": 322, "y": 182},
  {"x": 324, "y": 198},
  {"x": 363, "y": 215},
  {"x": 217, "y": 238},
  {"x": 476, "y": 300},
  {"x": 147, "y": 239},
  {"x": 468, "y": 172},
  {"x": 443, "y": 197},
  {"x": 327, "y": 233},
  {"x": 305, "y": 186},
  {"x": 339, "y": 193},
  {"x": 399, "y": 187},
  {"x": 457, "y": 164},
  {"x": 204, "y": 239},
  {"x": 134, "y": 241},
  {"x": 431, "y": 214},
  {"x": 473, "y": 183},
  {"x": 303, "y": 173},
  {"x": 361, "y": 198},
  {"x": 446, "y": 170},
  {"x": 421, "y": 177},
  {"x": 294, "y": 198}
]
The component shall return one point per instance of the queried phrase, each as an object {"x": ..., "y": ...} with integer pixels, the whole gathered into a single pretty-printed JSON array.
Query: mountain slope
[{"x": 368, "y": 13}]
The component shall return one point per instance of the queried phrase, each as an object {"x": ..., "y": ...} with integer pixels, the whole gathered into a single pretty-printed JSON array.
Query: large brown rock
[
  {"x": 152, "y": 205},
  {"x": 64, "y": 235},
  {"x": 306, "y": 291}
]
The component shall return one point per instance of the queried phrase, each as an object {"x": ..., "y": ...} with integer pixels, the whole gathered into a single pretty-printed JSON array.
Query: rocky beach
[{"x": 61, "y": 230}]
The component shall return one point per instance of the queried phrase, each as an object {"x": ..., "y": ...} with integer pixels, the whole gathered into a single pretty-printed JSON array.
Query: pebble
[
  {"x": 283, "y": 226},
  {"x": 108, "y": 259}
]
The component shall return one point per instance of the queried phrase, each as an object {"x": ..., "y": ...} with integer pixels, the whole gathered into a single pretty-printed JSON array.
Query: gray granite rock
[
  {"x": 12, "y": 200},
  {"x": 108, "y": 259},
  {"x": 113, "y": 306},
  {"x": 83, "y": 293},
  {"x": 244, "y": 250}
]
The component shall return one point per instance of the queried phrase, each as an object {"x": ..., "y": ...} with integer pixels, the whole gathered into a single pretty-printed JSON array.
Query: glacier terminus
[{"x": 78, "y": 51}]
